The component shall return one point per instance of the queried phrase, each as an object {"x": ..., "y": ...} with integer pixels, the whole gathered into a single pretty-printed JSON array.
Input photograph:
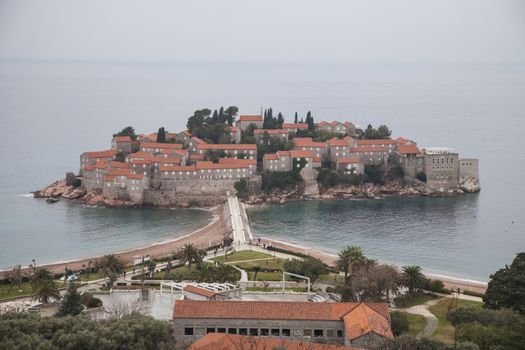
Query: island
[{"x": 261, "y": 158}]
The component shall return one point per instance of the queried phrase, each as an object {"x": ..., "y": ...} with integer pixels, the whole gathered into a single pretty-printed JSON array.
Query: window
[
  {"x": 265, "y": 332},
  {"x": 210, "y": 330},
  {"x": 243, "y": 331},
  {"x": 285, "y": 332},
  {"x": 254, "y": 331},
  {"x": 307, "y": 332},
  {"x": 275, "y": 332},
  {"x": 232, "y": 330},
  {"x": 318, "y": 333},
  {"x": 188, "y": 331},
  {"x": 339, "y": 333},
  {"x": 221, "y": 330},
  {"x": 330, "y": 333}
]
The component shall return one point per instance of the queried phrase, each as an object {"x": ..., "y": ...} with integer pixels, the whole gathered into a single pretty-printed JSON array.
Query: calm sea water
[{"x": 50, "y": 112}]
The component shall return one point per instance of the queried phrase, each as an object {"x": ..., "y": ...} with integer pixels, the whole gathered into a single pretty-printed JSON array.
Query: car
[{"x": 72, "y": 277}]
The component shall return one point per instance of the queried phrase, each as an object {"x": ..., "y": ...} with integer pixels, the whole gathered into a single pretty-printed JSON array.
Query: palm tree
[
  {"x": 112, "y": 267},
  {"x": 413, "y": 277},
  {"x": 350, "y": 260},
  {"x": 16, "y": 276},
  {"x": 44, "y": 286},
  {"x": 225, "y": 273},
  {"x": 203, "y": 273},
  {"x": 256, "y": 269},
  {"x": 189, "y": 254}
]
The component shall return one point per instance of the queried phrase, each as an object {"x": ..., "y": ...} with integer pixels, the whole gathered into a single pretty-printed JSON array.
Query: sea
[{"x": 52, "y": 111}]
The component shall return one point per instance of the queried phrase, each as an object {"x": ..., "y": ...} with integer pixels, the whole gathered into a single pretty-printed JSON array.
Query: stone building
[
  {"x": 232, "y": 169},
  {"x": 231, "y": 150},
  {"x": 263, "y": 136},
  {"x": 91, "y": 158},
  {"x": 121, "y": 184},
  {"x": 388, "y": 144},
  {"x": 441, "y": 167},
  {"x": 294, "y": 127},
  {"x": 285, "y": 160},
  {"x": 123, "y": 144},
  {"x": 349, "y": 324},
  {"x": 408, "y": 157},
  {"x": 234, "y": 133},
  {"x": 157, "y": 148},
  {"x": 373, "y": 155},
  {"x": 319, "y": 149},
  {"x": 469, "y": 167},
  {"x": 339, "y": 148},
  {"x": 246, "y": 120},
  {"x": 337, "y": 127},
  {"x": 350, "y": 166}
]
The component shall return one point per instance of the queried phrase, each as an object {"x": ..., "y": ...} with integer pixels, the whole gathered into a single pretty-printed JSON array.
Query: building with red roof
[
  {"x": 348, "y": 324},
  {"x": 264, "y": 136},
  {"x": 294, "y": 127},
  {"x": 245, "y": 121}
]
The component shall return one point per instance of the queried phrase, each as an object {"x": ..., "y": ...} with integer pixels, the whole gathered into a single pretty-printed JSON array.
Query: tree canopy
[
  {"x": 211, "y": 127},
  {"x": 382, "y": 132},
  {"x": 127, "y": 131}
]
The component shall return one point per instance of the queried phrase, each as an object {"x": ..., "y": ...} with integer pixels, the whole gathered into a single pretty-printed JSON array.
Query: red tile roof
[
  {"x": 119, "y": 172},
  {"x": 135, "y": 176},
  {"x": 231, "y": 128},
  {"x": 227, "y": 146},
  {"x": 109, "y": 178},
  {"x": 240, "y": 161},
  {"x": 295, "y": 126},
  {"x": 271, "y": 156},
  {"x": 364, "y": 319},
  {"x": 335, "y": 142},
  {"x": 118, "y": 165},
  {"x": 375, "y": 142},
  {"x": 122, "y": 138},
  {"x": 140, "y": 161},
  {"x": 196, "y": 156},
  {"x": 223, "y": 341},
  {"x": 307, "y": 142},
  {"x": 270, "y": 131},
  {"x": 348, "y": 124},
  {"x": 348, "y": 160},
  {"x": 161, "y": 145},
  {"x": 251, "y": 118},
  {"x": 408, "y": 149},
  {"x": 167, "y": 160},
  {"x": 178, "y": 168},
  {"x": 140, "y": 155},
  {"x": 197, "y": 140},
  {"x": 205, "y": 165},
  {"x": 301, "y": 154},
  {"x": 368, "y": 149},
  {"x": 89, "y": 167},
  {"x": 102, "y": 154},
  {"x": 199, "y": 291}
]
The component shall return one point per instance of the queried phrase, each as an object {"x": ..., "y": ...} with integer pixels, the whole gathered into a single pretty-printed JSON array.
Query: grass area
[
  {"x": 407, "y": 301},
  {"x": 270, "y": 264},
  {"x": 416, "y": 323},
  {"x": 262, "y": 289},
  {"x": 242, "y": 255},
  {"x": 174, "y": 272},
  {"x": 265, "y": 276},
  {"x": 445, "y": 331},
  {"x": 330, "y": 278},
  {"x": 23, "y": 291}
]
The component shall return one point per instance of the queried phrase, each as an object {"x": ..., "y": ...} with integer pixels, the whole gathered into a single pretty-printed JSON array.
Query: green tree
[
  {"x": 40, "y": 276},
  {"x": 127, "y": 131},
  {"x": 399, "y": 323},
  {"x": 374, "y": 174},
  {"x": 506, "y": 288},
  {"x": 161, "y": 135},
  {"x": 112, "y": 267},
  {"x": 71, "y": 304},
  {"x": 240, "y": 186},
  {"x": 309, "y": 267},
  {"x": 189, "y": 254},
  {"x": 16, "y": 276},
  {"x": 413, "y": 277},
  {"x": 256, "y": 270},
  {"x": 350, "y": 260},
  {"x": 45, "y": 290},
  {"x": 295, "y": 118}
]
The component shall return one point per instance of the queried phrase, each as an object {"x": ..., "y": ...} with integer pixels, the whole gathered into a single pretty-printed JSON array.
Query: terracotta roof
[
  {"x": 348, "y": 160},
  {"x": 223, "y": 341},
  {"x": 301, "y": 154},
  {"x": 118, "y": 165},
  {"x": 178, "y": 168},
  {"x": 335, "y": 142},
  {"x": 196, "y": 156},
  {"x": 199, "y": 291},
  {"x": 270, "y": 131},
  {"x": 140, "y": 161},
  {"x": 295, "y": 126},
  {"x": 227, "y": 146},
  {"x": 240, "y": 161},
  {"x": 323, "y": 123},
  {"x": 135, "y": 176},
  {"x": 307, "y": 142},
  {"x": 160, "y": 145},
  {"x": 89, "y": 167},
  {"x": 231, "y": 128},
  {"x": 251, "y": 118},
  {"x": 122, "y": 138},
  {"x": 283, "y": 153},
  {"x": 317, "y": 159},
  {"x": 119, "y": 172},
  {"x": 271, "y": 156},
  {"x": 170, "y": 135},
  {"x": 109, "y": 178},
  {"x": 101, "y": 154},
  {"x": 102, "y": 164},
  {"x": 368, "y": 149},
  {"x": 187, "y": 133},
  {"x": 364, "y": 319},
  {"x": 140, "y": 155},
  {"x": 408, "y": 149},
  {"x": 375, "y": 142},
  {"x": 166, "y": 160},
  {"x": 334, "y": 123},
  {"x": 347, "y": 124},
  {"x": 205, "y": 165}
]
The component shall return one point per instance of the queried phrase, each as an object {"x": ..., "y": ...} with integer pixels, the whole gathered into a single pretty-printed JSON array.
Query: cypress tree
[
  {"x": 280, "y": 120},
  {"x": 295, "y": 119},
  {"x": 161, "y": 135}
]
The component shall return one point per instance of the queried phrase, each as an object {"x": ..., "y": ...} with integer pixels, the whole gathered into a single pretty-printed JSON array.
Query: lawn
[
  {"x": 262, "y": 289},
  {"x": 23, "y": 291},
  {"x": 242, "y": 255},
  {"x": 265, "y": 276},
  {"x": 270, "y": 264},
  {"x": 416, "y": 323},
  {"x": 445, "y": 331},
  {"x": 330, "y": 278},
  {"x": 407, "y": 301}
]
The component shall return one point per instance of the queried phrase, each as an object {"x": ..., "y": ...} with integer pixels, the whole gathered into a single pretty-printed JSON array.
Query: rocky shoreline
[
  {"x": 61, "y": 190},
  {"x": 365, "y": 191}
]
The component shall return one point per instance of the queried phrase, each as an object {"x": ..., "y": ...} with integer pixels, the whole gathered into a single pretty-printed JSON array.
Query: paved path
[
  {"x": 239, "y": 232},
  {"x": 431, "y": 319}
]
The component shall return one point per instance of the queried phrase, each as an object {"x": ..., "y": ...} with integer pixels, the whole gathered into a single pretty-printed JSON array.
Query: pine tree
[
  {"x": 295, "y": 119},
  {"x": 215, "y": 116},
  {"x": 70, "y": 304},
  {"x": 161, "y": 135},
  {"x": 222, "y": 118},
  {"x": 310, "y": 121},
  {"x": 280, "y": 120}
]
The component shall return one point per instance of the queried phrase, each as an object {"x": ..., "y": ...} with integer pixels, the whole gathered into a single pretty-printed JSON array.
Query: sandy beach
[
  {"x": 329, "y": 259},
  {"x": 211, "y": 234}
]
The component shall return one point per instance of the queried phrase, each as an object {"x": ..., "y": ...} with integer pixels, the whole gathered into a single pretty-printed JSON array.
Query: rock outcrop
[{"x": 469, "y": 184}]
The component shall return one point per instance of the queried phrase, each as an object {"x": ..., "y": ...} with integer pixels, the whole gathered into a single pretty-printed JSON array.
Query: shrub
[
  {"x": 396, "y": 172},
  {"x": 435, "y": 286},
  {"x": 240, "y": 186},
  {"x": 280, "y": 179},
  {"x": 89, "y": 300},
  {"x": 374, "y": 174},
  {"x": 328, "y": 178},
  {"x": 399, "y": 323},
  {"x": 351, "y": 179},
  {"x": 421, "y": 177}
]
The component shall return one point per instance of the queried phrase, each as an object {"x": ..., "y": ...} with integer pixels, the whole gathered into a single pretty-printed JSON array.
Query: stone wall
[{"x": 469, "y": 167}]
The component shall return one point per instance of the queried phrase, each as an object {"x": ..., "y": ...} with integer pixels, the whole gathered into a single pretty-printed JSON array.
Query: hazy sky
[{"x": 289, "y": 31}]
